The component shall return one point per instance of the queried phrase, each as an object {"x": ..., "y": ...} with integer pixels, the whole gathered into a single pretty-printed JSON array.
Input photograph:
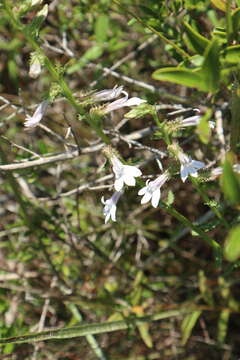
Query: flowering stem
[
  {"x": 66, "y": 91},
  {"x": 216, "y": 247}
]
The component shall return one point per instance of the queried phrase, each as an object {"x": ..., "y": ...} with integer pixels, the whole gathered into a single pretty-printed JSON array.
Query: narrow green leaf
[
  {"x": 145, "y": 335},
  {"x": 188, "y": 324},
  {"x": 223, "y": 325},
  {"x": 232, "y": 54},
  {"x": 86, "y": 329},
  {"x": 101, "y": 28},
  {"x": 230, "y": 183},
  {"x": 211, "y": 66},
  {"x": 232, "y": 244},
  {"x": 197, "y": 42},
  {"x": 180, "y": 76}
]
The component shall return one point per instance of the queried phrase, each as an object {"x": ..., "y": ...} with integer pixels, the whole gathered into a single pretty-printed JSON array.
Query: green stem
[
  {"x": 208, "y": 201},
  {"x": 90, "y": 338},
  {"x": 181, "y": 218},
  {"x": 94, "y": 328}
]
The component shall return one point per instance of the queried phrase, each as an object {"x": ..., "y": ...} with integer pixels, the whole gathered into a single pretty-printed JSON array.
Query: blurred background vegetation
[{"x": 59, "y": 263}]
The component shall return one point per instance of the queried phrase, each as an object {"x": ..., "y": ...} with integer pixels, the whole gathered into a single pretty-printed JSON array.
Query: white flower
[
  {"x": 108, "y": 94},
  {"x": 32, "y": 121},
  {"x": 124, "y": 173},
  {"x": 35, "y": 68},
  {"x": 124, "y": 101},
  {"x": 110, "y": 207},
  {"x": 189, "y": 166},
  {"x": 152, "y": 190},
  {"x": 193, "y": 121}
]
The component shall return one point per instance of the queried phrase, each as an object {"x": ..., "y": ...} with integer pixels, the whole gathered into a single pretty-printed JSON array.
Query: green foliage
[
  {"x": 61, "y": 266},
  {"x": 232, "y": 244}
]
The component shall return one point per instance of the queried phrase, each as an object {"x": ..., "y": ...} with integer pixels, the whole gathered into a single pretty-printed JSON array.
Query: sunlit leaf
[
  {"x": 180, "y": 76},
  {"x": 211, "y": 66},
  {"x": 188, "y": 324},
  {"x": 232, "y": 244},
  {"x": 220, "y": 4},
  {"x": 232, "y": 54},
  {"x": 101, "y": 28}
]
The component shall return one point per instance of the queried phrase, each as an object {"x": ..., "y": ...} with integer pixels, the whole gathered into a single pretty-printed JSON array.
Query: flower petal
[
  {"x": 156, "y": 197},
  {"x": 134, "y": 101},
  {"x": 133, "y": 170},
  {"x": 142, "y": 191},
  {"x": 184, "y": 173},
  {"x": 197, "y": 164},
  {"x": 107, "y": 217},
  {"x": 113, "y": 212},
  {"x": 129, "y": 180},
  {"x": 118, "y": 184},
  {"x": 146, "y": 197}
]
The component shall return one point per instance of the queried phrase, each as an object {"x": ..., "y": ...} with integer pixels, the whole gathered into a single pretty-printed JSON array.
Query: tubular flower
[
  {"x": 189, "y": 166},
  {"x": 34, "y": 120},
  {"x": 122, "y": 102},
  {"x": 193, "y": 121},
  {"x": 108, "y": 94},
  {"x": 152, "y": 190},
  {"x": 124, "y": 173},
  {"x": 109, "y": 210}
]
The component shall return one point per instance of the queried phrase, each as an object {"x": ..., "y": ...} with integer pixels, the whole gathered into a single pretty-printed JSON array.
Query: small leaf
[
  {"x": 211, "y": 66},
  {"x": 232, "y": 54},
  {"x": 188, "y": 324},
  {"x": 198, "y": 42},
  {"x": 219, "y": 4},
  {"x": 145, "y": 335},
  {"x": 180, "y": 76},
  {"x": 232, "y": 244},
  {"x": 101, "y": 28}
]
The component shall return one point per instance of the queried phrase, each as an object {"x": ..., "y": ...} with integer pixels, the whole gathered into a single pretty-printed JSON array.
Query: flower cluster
[{"x": 127, "y": 174}]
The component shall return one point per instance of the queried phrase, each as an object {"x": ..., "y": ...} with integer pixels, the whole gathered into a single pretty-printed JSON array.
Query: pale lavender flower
[
  {"x": 34, "y": 120},
  {"x": 122, "y": 102},
  {"x": 109, "y": 210},
  {"x": 194, "y": 121},
  {"x": 107, "y": 94},
  {"x": 124, "y": 173},
  {"x": 219, "y": 170},
  {"x": 152, "y": 190},
  {"x": 189, "y": 166}
]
